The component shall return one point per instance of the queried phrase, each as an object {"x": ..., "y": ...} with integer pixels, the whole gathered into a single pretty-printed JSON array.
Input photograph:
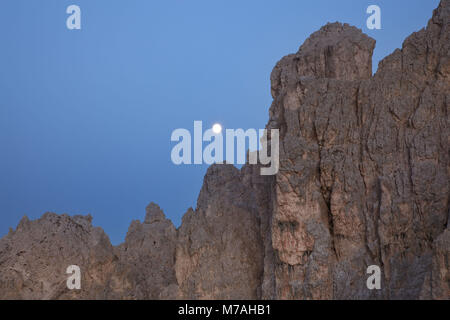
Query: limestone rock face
[
  {"x": 363, "y": 180},
  {"x": 220, "y": 252},
  {"x": 34, "y": 259},
  {"x": 146, "y": 267},
  {"x": 437, "y": 281},
  {"x": 336, "y": 51},
  {"x": 364, "y": 166}
]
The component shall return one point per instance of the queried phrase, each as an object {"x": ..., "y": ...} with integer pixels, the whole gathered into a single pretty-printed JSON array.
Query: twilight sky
[{"x": 86, "y": 115}]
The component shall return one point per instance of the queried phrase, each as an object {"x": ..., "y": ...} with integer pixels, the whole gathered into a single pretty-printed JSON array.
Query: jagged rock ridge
[{"x": 363, "y": 180}]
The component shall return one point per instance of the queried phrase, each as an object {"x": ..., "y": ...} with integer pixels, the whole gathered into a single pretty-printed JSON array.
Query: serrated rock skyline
[{"x": 363, "y": 180}]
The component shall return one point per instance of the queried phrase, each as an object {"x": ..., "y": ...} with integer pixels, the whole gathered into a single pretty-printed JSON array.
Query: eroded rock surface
[
  {"x": 34, "y": 259},
  {"x": 146, "y": 266},
  {"x": 364, "y": 164},
  {"x": 220, "y": 251},
  {"x": 363, "y": 180}
]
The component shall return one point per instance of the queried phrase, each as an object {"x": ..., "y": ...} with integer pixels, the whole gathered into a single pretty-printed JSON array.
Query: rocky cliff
[{"x": 363, "y": 180}]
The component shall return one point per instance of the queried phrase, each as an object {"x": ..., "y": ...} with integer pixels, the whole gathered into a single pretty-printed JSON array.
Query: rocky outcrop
[
  {"x": 364, "y": 163},
  {"x": 34, "y": 259},
  {"x": 363, "y": 180},
  {"x": 220, "y": 252},
  {"x": 146, "y": 264}
]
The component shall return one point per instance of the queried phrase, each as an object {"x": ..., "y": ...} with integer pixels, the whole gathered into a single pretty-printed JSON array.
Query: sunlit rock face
[{"x": 363, "y": 180}]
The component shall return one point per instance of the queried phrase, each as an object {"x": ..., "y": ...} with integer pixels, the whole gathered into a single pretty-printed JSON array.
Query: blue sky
[{"x": 86, "y": 115}]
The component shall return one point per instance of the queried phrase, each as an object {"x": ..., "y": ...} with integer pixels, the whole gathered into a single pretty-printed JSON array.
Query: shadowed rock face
[
  {"x": 220, "y": 252},
  {"x": 34, "y": 259},
  {"x": 364, "y": 164},
  {"x": 363, "y": 180},
  {"x": 145, "y": 268}
]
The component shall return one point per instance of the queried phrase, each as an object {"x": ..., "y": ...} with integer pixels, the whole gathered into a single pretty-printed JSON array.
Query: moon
[{"x": 217, "y": 128}]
